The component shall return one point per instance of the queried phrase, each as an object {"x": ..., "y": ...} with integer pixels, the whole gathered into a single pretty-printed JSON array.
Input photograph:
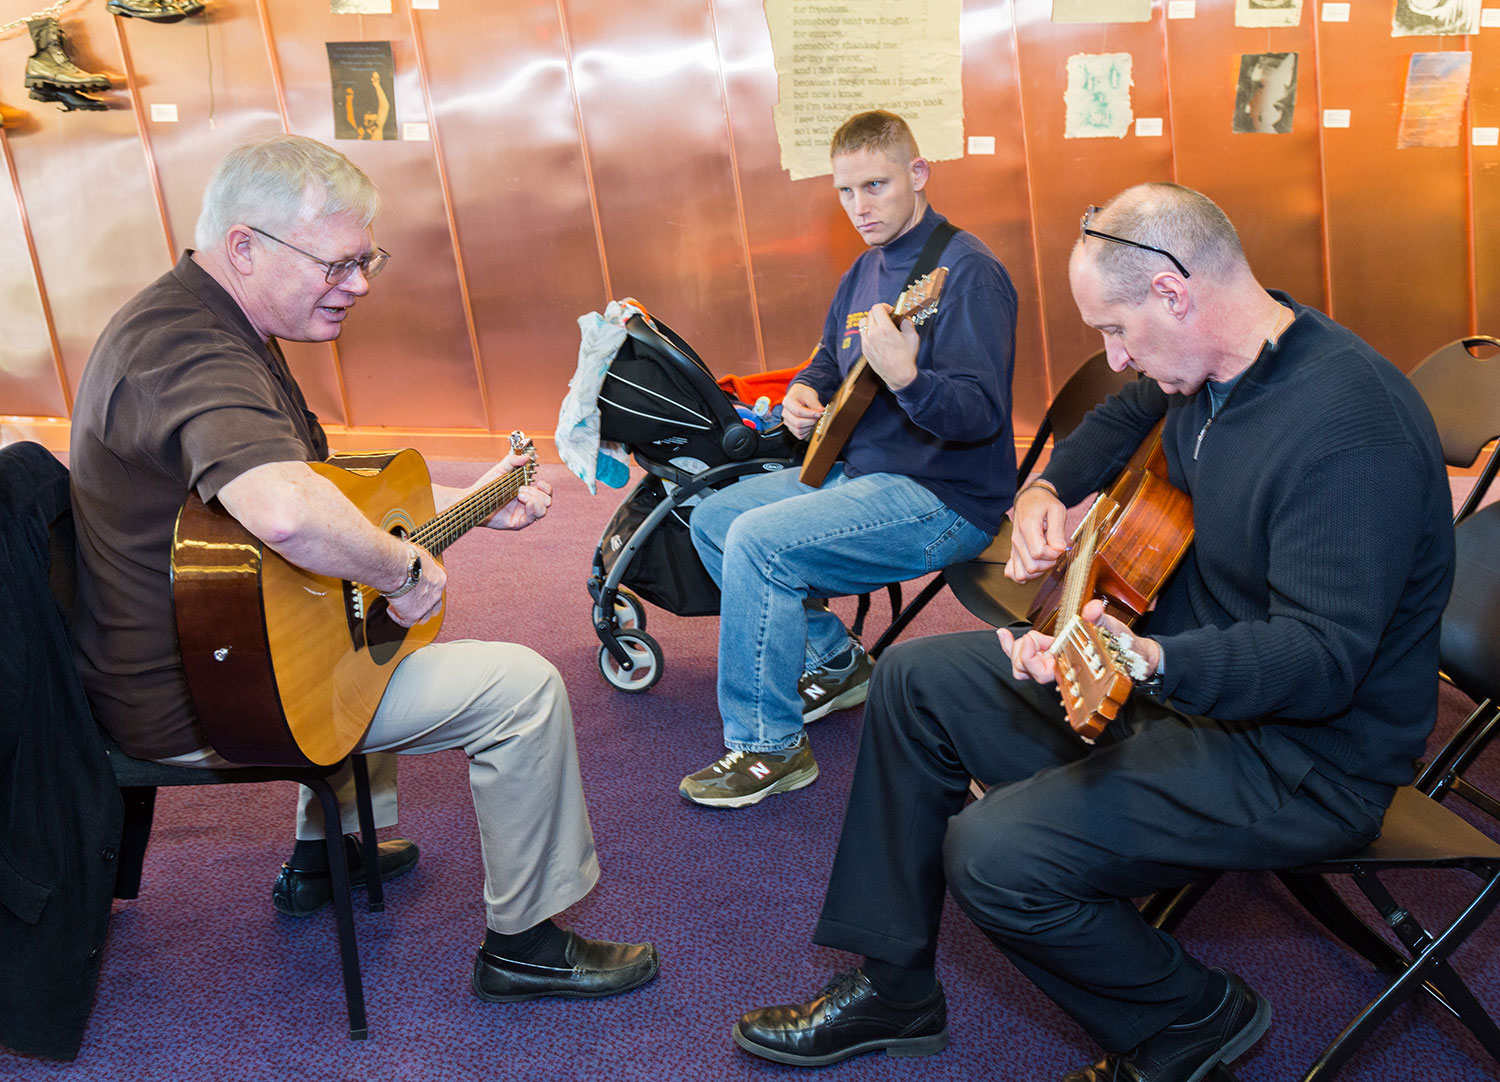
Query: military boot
[
  {"x": 67, "y": 98},
  {"x": 50, "y": 65},
  {"x": 157, "y": 11}
]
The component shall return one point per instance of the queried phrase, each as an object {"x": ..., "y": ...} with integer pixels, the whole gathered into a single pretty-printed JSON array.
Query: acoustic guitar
[
  {"x": 285, "y": 667},
  {"x": 916, "y": 303},
  {"x": 1131, "y": 540}
]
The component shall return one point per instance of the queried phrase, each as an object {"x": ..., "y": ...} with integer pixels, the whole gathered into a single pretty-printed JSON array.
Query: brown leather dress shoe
[
  {"x": 301, "y": 893},
  {"x": 594, "y": 968},
  {"x": 848, "y": 1017}
]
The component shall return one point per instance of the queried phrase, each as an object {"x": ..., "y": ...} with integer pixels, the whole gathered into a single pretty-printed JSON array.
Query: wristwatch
[{"x": 413, "y": 574}]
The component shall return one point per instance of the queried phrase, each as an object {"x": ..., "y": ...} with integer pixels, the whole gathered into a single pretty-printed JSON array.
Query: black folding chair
[
  {"x": 1418, "y": 833},
  {"x": 1461, "y": 385}
]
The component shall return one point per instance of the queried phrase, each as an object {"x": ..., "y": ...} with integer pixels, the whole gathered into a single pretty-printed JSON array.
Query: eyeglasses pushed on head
[
  {"x": 334, "y": 273},
  {"x": 1085, "y": 231}
]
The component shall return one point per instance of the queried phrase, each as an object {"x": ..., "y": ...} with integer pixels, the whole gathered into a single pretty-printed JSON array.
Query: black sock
[
  {"x": 900, "y": 984},
  {"x": 1207, "y": 1002},
  {"x": 311, "y": 855},
  {"x": 843, "y": 661},
  {"x": 542, "y": 944}
]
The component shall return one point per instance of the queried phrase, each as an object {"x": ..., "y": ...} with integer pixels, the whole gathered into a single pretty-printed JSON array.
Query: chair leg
[
  {"x": 140, "y": 809},
  {"x": 1165, "y": 909},
  {"x": 369, "y": 846},
  {"x": 338, "y": 869},
  {"x": 908, "y": 614},
  {"x": 1314, "y": 894},
  {"x": 1423, "y": 971}
]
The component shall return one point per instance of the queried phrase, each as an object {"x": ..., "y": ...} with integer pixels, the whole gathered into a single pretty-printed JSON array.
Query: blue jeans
[{"x": 770, "y": 541}]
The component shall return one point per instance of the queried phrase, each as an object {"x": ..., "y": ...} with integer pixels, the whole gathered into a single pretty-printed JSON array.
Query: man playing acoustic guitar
[
  {"x": 187, "y": 390},
  {"x": 924, "y": 481},
  {"x": 1288, "y": 676}
]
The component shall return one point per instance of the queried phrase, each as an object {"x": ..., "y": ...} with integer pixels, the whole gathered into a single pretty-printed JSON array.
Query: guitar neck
[{"x": 440, "y": 531}]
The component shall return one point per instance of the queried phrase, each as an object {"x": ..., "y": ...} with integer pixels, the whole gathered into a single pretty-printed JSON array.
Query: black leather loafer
[
  {"x": 1189, "y": 1052},
  {"x": 595, "y": 968},
  {"x": 301, "y": 893},
  {"x": 848, "y": 1017}
]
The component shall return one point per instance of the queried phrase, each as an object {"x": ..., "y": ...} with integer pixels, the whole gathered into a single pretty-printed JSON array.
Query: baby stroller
[{"x": 661, "y": 401}]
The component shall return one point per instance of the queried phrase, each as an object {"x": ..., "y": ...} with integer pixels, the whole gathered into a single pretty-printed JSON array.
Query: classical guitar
[
  {"x": 1132, "y": 538},
  {"x": 916, "y": 303},
  {"x": 286, "y": 667}
]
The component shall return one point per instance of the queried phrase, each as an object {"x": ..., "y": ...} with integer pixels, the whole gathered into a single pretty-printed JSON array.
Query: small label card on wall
[
  {"x": 416, "y": 131},
  {"x": 1335, "y": 118},
  {"x": 1148, "y": 125},
  {"x": 1182, "y": 9},
  {"x": 1485, "y": 137},
  {"x": 1489, "y": 17},
  {"x": 1335, "y": 13},
  {"x": 424, "y": 5},
  {"x": 981, "y": 144},
  {"x": 164, "y": 112}
]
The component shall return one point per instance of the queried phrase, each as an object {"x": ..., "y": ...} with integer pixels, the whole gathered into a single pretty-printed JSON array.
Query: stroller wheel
[
  {"x": 630, "y": 613},
  {"x": 645, "y": 659}
]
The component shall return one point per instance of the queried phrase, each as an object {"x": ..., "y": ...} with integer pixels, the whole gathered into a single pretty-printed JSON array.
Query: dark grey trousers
[{"x": 1048, "y": 861}]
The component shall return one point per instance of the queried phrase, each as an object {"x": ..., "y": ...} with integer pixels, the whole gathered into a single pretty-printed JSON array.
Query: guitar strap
[{"x": 932, "y": 251}]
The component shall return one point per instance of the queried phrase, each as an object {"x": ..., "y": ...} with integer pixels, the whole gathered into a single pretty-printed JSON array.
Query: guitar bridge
[{"x": 354, "y": 613}]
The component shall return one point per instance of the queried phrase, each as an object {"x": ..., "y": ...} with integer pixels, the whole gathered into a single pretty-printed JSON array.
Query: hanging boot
[
  {"x": 158, "y": 11},
  {"x": 51, "y": 66},
  {"x": 68, "y": 99}
]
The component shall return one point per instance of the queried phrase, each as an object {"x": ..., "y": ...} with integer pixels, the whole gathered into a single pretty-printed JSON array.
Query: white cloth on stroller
[{"x": 577, "y": 436}]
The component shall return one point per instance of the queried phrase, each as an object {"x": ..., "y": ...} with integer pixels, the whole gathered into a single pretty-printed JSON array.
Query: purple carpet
[{"x": 203, "y": 980}]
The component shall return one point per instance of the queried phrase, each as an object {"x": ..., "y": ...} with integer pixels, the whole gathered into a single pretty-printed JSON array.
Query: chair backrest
[
  {"x": 1460, "y": 383},
  {"x": 1470, "y": 636},
  {"x": 1090, "y": 384}
]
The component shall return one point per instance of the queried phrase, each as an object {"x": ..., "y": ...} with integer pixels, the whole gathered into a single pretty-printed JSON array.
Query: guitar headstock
[
  {"x": 520, "y": 444},
  {"x": 1093, "y": 676},
  {"x": 920, "y": 300}
]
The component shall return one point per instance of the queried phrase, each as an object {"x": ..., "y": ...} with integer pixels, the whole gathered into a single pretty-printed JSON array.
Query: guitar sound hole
[{"x": 383, "y": 636}]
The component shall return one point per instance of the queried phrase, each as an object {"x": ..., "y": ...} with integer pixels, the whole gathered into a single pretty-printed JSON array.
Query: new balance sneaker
[
  {"x": 828, "y": 689},
  {"x": 748, "y": 777}
]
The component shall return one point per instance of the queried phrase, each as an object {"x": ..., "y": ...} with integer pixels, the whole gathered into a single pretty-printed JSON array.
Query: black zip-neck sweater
[{"x": 1322, "y": 554}]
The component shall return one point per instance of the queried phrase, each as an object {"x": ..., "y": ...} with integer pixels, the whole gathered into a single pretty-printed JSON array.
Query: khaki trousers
[{"x": 505, "y": 705}]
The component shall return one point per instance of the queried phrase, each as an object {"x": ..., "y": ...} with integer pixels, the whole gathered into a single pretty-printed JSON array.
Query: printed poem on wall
[{"x": 835, "y": 58}]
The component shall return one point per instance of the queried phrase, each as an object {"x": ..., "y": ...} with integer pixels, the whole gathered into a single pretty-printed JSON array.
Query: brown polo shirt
[{"x": 179, "y": 393}]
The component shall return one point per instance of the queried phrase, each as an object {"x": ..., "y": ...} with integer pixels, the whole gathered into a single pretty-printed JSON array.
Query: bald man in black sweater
[{"x": 1288, "y": 676}]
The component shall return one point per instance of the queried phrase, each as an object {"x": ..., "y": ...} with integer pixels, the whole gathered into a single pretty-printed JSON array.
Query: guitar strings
[{"x": 442, "y": 530}]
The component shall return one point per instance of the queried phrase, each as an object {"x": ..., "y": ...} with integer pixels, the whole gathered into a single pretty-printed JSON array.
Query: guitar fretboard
[{"x": 440, "y": 531}]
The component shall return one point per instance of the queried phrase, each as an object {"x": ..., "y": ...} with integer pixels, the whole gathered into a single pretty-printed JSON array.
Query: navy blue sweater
[
  {"x": 950, "y": 428},
  {"x": 1322, "y": 555}
]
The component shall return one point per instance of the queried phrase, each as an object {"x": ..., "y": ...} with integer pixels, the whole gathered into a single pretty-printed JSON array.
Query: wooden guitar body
[
  {"x": 862, "y": 384},
  {"x": 834, "y": 428},
  {"x": 286, "y": 667},
  {"x": 1133, "y": 538}
]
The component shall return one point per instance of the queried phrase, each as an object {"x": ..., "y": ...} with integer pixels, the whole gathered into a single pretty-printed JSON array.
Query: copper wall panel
[
  {"x": 581, "y": 151},
  {"x": 1271, "y": 186},
  {"x": 404, "y": 354},
  {"x": 87, "y": 191},
  {"x": 508, "y": 136},
  {"x": 658, "y": 144},
  {"x": 991, "y": 195},
  {"x": 1483, "y": 167},
  {"x": 1069, "y": 174},
  {"x": 1396, "y": 218},
  {"x": 29, "y": 382},
  {"x": 799, "y": 239}
]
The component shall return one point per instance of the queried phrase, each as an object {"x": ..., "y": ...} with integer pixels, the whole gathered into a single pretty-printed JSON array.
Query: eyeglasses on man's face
[
  {"x": 1085, "y": 231},
  {"x": 334, "y": 273}
]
